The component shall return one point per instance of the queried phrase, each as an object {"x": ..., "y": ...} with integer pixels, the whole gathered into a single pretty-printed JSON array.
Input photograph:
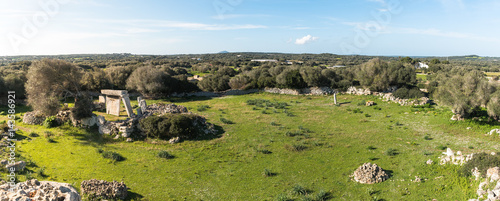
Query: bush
[
  {"x": 33, "y": 134},
  {"x": 112, "y": 155},
  {"x": 50, "y": 122},
  {"x": 202, "y": 108},
  {"x": 165, "y": 154},
  {"x": 405, "y": 93},
  {"x": 295, "y": 147},
  {"x": 186, "y": 126},
  {"x": 482, "y": 161},
  {"x": 299, "y": 190},
  {"x": 391, "y": 152},
  {"x": 83, "y": 107}
]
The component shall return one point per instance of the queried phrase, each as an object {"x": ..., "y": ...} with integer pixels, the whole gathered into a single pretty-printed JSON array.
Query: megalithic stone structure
[{"x": 113, "y": 99}]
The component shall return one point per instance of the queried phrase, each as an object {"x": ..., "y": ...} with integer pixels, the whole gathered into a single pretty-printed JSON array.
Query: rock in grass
[
  {"x": 19, "y": 166},
  {"x": 100, "y": 189},
  {"x": 44, "y": 190},
  {"x": 370, "y": 174}
]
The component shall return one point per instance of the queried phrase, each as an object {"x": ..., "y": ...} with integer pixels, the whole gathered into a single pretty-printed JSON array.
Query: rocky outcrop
[
  {"x": 454, "y": 158},
  {"x": 370, "y": 174},
  {"x": 101, "y": 189},
  {"x": 304, "y": 91},
  {"x": 33, "y": 118},
  {"x": 35, "y": 190},
  {"x": 389, "y": 97},
  {"x": 489, "y": 189},
  {"x": 174, "y": 140},
  {"x": 161, "y": 109}
]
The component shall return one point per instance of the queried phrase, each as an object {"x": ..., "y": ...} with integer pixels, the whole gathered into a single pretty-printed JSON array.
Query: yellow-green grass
[
  {"x": 422, "y": 76},
  {"x": 230, "y": 167}
]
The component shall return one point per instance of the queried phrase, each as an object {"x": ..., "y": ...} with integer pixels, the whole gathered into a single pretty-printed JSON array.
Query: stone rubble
[
  {"x": 35, "y": 190},
  {"x": 174, "y": 140},
  {"x": 370, "y": 174},
  {"x": 457, "y": 159},
  {"x": 18, "y": 166},
  {"x": 33, "y": 118},
  {"x": 104, "y": 189},
  {"x": 494, "y": 131},
  {"x": 485, "y": 191}
]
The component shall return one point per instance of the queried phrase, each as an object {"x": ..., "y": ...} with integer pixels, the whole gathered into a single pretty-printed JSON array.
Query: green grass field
[
  {"x": 335, "y": 141},
  {"x": 492, "y": 74}
]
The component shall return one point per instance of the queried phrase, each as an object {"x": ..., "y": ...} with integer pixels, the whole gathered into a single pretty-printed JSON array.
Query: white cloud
[
  {"x": 305, "y": 39},
  {"x": 151, "y": 24},
  {"x": 232, "y": 16}
]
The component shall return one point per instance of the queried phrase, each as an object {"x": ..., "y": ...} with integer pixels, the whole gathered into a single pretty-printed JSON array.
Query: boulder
[
  {"x": 174, "y": 140},
  {"x": 370, "y": 174},
  {"x": 33, "y": 118},
  {"x": 101, "y": 189},
  {"x": 35, "y": 190}
]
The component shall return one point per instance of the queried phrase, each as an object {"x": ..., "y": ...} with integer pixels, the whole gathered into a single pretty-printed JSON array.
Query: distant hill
[{"x": 223, "y": 52}]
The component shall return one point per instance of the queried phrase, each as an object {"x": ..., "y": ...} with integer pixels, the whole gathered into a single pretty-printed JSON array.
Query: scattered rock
[
  {"x": 492, "y": 191},
  {"x": 457, "y": 159},
  {"x": 417, "y": 179},
  {"x": 174, "y": 140},
  {"x": 33, "y": 118},
  {"x": 130, "y": 140},
  {"x": 370, "y": 103},
  {"x": 35, "y": 190},
  {"x": 103, "y": 189},
  {"x": 429, "y": 162},
  {"x": 468, "y": 128},
  {"x": 369, "y": 174},
  {"x": 494, "y": 131}
]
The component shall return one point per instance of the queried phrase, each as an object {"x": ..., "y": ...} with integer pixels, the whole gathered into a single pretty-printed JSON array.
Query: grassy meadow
[{"x": 306, "y": 151}]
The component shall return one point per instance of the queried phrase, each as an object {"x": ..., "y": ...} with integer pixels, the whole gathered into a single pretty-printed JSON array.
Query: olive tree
[{"x": 48, "y": 81}]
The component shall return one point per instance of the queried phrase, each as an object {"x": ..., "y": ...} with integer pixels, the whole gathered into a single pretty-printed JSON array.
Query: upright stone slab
[
  {"x": 128, "y": 107},
  {"x": 102, "y": 99},
  {"x": 113, "y": 105}
]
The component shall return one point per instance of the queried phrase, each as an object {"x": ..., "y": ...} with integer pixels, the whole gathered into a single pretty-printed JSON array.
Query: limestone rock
[
  {"x": 104, "y": 189},
  {"x": 33, "y": 118},
  {"x": 35, "y": 190},
  {"x": 174, "y": 140},
  {"x": 369, "y": 174},
  {"x": 458, "y": 159},
  {"x": 494, "y": 131},
  {"x": 429, "y": 162}
]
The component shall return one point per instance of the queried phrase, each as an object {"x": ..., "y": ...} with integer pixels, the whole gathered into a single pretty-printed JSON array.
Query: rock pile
[
  {"x": 457, "y": 159},
  {"x": 103, "y": 189},
  {"x": 35, "y": 190},
  {"x": 389, "y": 97},
  {"x": 161, "y": 109},
  {"x": 489, "y": 189},
  {"x": 33, "y": 118},
  {"x": 369, "y": 174},
  {"x": 355, "y": 91}
]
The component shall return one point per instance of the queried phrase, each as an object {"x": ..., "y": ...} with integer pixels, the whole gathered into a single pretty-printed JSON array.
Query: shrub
[
  {"x": 377, "y": 108},
  {"x": 50, "y": 140},
  {"x": 371, "y": 147},
  {"x": 357, "y": 110},
  {"x": 112, "y": 155},
  {"x": 299, "y": 190},
  {"x": 268, "y": 173},
  {"x": 41, "y": 172},
  {"x": 367, "y": 115},
  {"x": 274, "y": 124},
  {"x": 482, "y": 161},
  {"x": 47, "y": 134},
  {"x": 427, "y": 137},
  {"x": 165, "y": 154},
  {"x": 202, "y": 108},
  {"x": 321, "y": 196},
  {"x": 186, "y": 126},
  {"x": 405, "y": 93},
  {"x": 362, "y": 103},
  {"x": 50, "y": 122},
  {"x": 391, "y": 152},
  {"x": 83, "y": 107},
  {"x": 295, "y": 147},
  {"x": 33, "y": 134}
]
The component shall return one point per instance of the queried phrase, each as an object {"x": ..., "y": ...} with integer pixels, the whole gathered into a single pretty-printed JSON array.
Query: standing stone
[
  {"x": 102, "y": 99},
  {"x": 113, "y": 105},
  {"x": 143, "y": 105},
  {"x": 335, "y": 98},
  {"x": 139, "y": 112},
  {"x": 128, "y": 107}
]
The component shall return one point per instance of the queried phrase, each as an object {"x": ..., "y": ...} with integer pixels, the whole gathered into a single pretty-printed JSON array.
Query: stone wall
[{"x": 305, "y": 91}]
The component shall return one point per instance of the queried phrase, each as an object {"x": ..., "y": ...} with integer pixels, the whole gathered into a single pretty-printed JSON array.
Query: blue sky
[{"x": 368, "y": 27}]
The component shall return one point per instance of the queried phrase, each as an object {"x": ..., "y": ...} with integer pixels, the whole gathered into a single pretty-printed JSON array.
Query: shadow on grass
[
  {"x": 186, "y": 99},
  {"x": 218, "y": 134},
  {"x": 133, "y": 196}
]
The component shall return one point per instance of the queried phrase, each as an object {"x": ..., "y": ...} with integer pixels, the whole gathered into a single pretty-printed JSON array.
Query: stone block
[
  {"x": 108, "y": 92},
  {"x": 113, "y": 105}
]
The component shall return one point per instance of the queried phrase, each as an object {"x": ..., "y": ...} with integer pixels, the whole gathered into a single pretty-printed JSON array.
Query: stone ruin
[
  {"x": 113, "y": 99},
  {"x": 370, "y": 174},
  {"x": 43, "y": 190},
  {"x": 101, "y": 189},
  {"x": 486, "y": 191},
  {"x": 454, "y": 158}
]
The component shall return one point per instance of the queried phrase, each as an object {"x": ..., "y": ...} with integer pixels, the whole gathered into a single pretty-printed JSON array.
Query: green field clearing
[
  {"x": 422, "y": 76},
  {"x": 491, "y": 74},
  {"x": 232, "y": 166}
]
